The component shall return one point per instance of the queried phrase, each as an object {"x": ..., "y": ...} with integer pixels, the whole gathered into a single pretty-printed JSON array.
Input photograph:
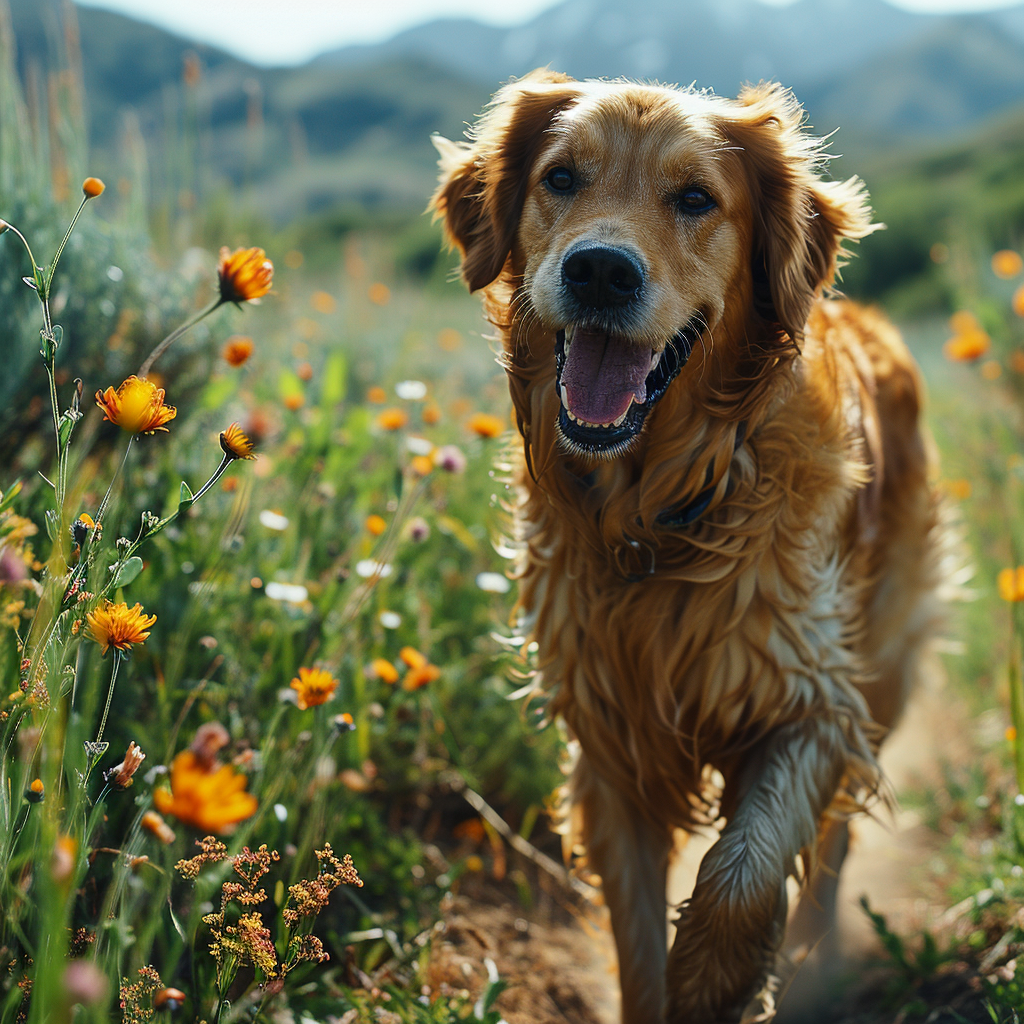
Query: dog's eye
[
  {"x": 694, "y": 200},
  {"x": 560, "y": 179}
]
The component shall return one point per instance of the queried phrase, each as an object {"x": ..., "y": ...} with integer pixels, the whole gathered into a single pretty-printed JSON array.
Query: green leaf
[
  {"x": 185, "y": 498},
  {"x": 64, "y": 427},
  {"x": 127, "y": 572},
  {"x": 6, "y": 500},
  {"x": 52, "y": 524},
  {"x": 333, "y": 380}
]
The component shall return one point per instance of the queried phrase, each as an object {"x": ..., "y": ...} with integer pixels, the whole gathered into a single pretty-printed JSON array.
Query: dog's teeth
[
  {"x": 655, "y": 359},
  {"x": 565, "y": 399}
]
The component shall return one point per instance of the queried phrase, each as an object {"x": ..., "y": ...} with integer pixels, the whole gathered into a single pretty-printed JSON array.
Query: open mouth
[{"x": 607, "y": 385}]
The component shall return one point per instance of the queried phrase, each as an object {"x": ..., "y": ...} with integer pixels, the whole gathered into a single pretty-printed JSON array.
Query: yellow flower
[
  {"x": 294, "y": 401},
  {"x": 36, "y": 791},
  {"x": 422, "y": 465},
  {"x": 236, "y": 444},
  {"x": 417, "y": 677},
  {"x": 486, "y": 425},
  {"x": 245, "y": 274},
  {"x": 968, "y": 346},
  {"x": 1011, "y": 584},
  {"x": 118, "y": 626},
  {"x": 962, "y": 321},
  {"x": 314, "y": 686},
  {"x": 210, "y": 800},
  {"x": 137, "y": 406},
  {"x": 1006, "y": 264},
  {"x": 392, "y": 419},
  {"x": 93, "y": 187},
  {"x": 431, "y": 413},
  {"x": 1011, "y": 733},
  {"x": 375, "y": 525},
  {"x": 384, "y": 670},
  {"x": 237, "y": 350}
]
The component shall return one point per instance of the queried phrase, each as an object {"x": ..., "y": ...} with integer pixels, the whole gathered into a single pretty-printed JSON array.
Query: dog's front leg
[
  {"x": 729, "y": 931},
  {"x": 631, "y": 856}
]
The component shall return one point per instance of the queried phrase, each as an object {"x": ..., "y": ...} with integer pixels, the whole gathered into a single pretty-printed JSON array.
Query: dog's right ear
[{"x": 484, "y": 181}]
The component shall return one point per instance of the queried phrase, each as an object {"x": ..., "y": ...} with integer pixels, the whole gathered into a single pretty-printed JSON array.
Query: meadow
[{"x": 259, "y": 711}]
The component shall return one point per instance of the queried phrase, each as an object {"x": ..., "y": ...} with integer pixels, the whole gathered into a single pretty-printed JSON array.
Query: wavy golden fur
[{"x": 746, "y": 582}]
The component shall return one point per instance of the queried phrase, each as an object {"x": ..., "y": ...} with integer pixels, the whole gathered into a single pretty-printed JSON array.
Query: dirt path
[{"x": 565, "y": 970}]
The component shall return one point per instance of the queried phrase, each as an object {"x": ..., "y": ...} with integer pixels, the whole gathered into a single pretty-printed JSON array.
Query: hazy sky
[{"x": 290, "y": 31}]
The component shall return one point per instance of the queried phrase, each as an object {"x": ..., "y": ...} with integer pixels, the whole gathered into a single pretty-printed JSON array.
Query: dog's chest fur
[{"x": 686, "y": 646}]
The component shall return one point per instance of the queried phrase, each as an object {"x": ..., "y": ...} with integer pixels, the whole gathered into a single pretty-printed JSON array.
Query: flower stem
[
  {"x": 106, "y": 497},
  {"x": 218, "y": 473},
  {"x": 110, "y": 696},
  {"x": 175, "y": 335},
  {"x": 60, "y": 248}
]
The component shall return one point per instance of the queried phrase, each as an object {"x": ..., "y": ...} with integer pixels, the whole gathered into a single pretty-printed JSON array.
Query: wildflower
[
  {"x": 991, "y": 369},
  {"x": 294, "y": 401},
  {"x": 169, "y": 999},
  {"x": 137, "y": 406},
  {"x": 962, "y": 321},
  {"x": 118, "y": 626},
  {"x": 237, "y": 350},
  {"x": 412, "y": 657},
  {"x": 474, "y": 863},
  {"x": 1011, "y": 584},
  {"x": 344, "y": 722},
  {"x": 431, "y": 413},
  {"x": 313, "y": 686},
  {"x": 384, "y": 670},
  {"x": 376, "y": 395},
  {"x": 419, "y": 677},
  {"x": 323, "y": 302},
  {"x": 85, "y": 983},
  {"x": 1006, "y": 264},
  {"x": 417, "y": 529},
  {"x": 392, "y": 419},
  {"x": 304, "y": 371},
  {"x": 92, "y": 187},
  {"x": 212, "y": 801},
  {"x": 273, "y": 520},
  {"x": 120, "y": 776},
  {"x": 354, "y": 781},
  {"x": 35, "y": 792},
  {"x": 1017, "y": 302},
  {"x": 209, "y": 740},
  {"x": 449, "y": 340},
  {"x": 235, "y": 443},
  {"x": 62, "y": 861},
  {"x": 367, "y": 568},
  {"x": 375, "y": 525},
  {"x": 211, "y": 851},
  {"x": 379, "y": 293},
  {"x": 245, "y": 274},
  {"x": 450, "y": 459},
  {"x": 493, "y": 582},
  {"x": 308, "y": 897},
  {"x": 1011, "y": 734},
  {"x": 968, "y": 346},
  {"x": 293, "y": 593},
  {"x": 80, "y": 527},
  {"x": 959, "y": 489},
  {"x": 137, "y": 997},
  {"x": 155, "y": 824},
  {"x": 411, "y": 390},
  {"x": 486, "y": 425}
]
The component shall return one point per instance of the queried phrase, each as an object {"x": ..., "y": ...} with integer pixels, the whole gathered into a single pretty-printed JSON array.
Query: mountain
[{"x": 351, "y": 128}]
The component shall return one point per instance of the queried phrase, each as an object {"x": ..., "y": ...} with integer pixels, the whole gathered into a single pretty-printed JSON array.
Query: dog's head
[{"x": 640, "y": 222}]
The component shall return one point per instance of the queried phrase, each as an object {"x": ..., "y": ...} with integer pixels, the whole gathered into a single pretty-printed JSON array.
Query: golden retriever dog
[{"x": 729, "y": 531}]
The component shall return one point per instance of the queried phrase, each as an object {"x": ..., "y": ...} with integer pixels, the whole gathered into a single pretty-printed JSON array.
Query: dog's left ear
[
  {"x": 801, "y": 221},
  {"x": 483, "y": 182}
]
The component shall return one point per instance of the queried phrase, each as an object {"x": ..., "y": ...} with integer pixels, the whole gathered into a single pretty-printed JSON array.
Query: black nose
[{"x": 601, "y": 277}]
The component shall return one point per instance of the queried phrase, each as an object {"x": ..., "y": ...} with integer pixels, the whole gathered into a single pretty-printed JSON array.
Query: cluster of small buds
[
  {"x": 149, "y": 521},
  {"x": 122, "y": 544}
]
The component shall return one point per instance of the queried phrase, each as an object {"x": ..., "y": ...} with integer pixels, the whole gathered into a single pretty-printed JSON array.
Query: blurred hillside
[{"x": 344, "y": 139}]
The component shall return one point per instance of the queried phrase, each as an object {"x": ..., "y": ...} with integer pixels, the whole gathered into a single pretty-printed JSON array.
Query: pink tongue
[{"x": 601, "y": 374}]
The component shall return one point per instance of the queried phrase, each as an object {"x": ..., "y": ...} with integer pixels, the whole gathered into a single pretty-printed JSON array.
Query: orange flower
[
  {"x": 235, "y": 443},
  {"x": 304, "y": 371},
  {"x": 379, "y": 293},
  {"x": 991, "y": 369},
  {"x": 412, "y": 657},
  {"x": 323, "y": 302},
  {"x": 1011, "y": 584},
  {"x": 1017, "y": 360},
  {"x": 422, "y": 465},
  {"x": 967, "y": 347},
  {"x": 419, "y": 677},
  {"x": 1017, "y": 302},
  {"x": 1006, "y": 264},
  {"x": 960, "y": 489},
  {"x": 294, "y": 401},
  {"x": 137, "y": 406},
  {"x": 962, "y": 321},
  {"x": 1011, "y": 733},
  {"x": 245, "y": 274},
  {"x": 93, "y": 187},
  {"x": 377, "y": 395},
  {"x": 210, "y": 800},
  {"x": 431, "y": 413},
  {"x": 375, "y": 525},
  {"x": 118, "y": 626},
  {"x": 392, "y": 419},
  {"x": 384, "y": 670},
  {"x": 486, "y": 425},
  {"x": 314, "y": 686},
  {"x": 237, "y": 350},
  {"x": 152, "y": 822}
]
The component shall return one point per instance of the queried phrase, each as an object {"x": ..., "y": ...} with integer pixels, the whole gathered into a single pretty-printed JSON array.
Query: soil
[{"x": 558, "y": 956}]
